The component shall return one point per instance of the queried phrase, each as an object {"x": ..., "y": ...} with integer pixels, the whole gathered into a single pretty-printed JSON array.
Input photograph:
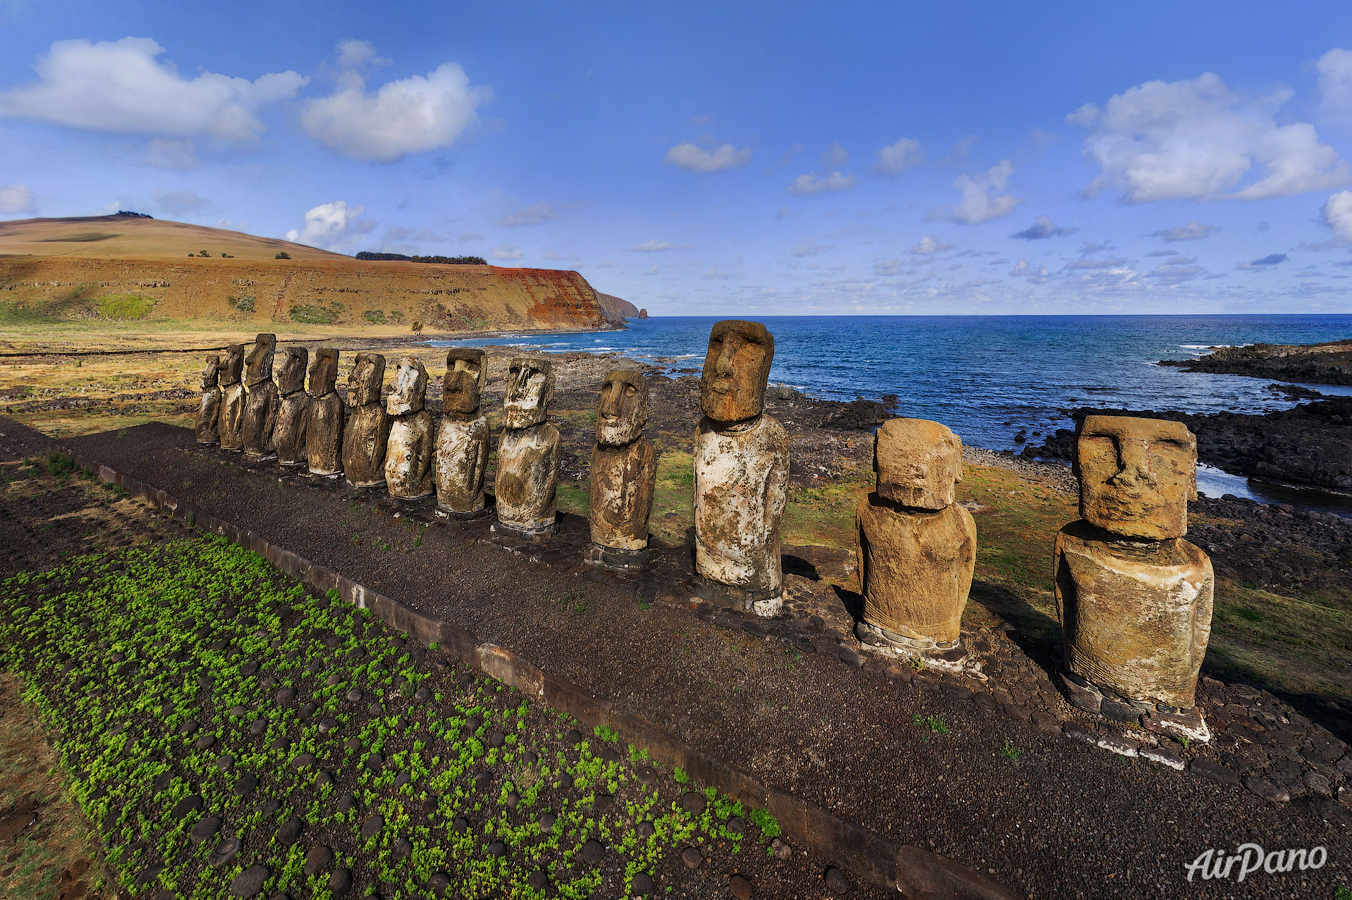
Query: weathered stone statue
[
  {"x": 209, "y": 411},
  {"x": 293, "y": 408},
  {"x": 324, "y": 417},
  {"x": 462, "y": 437},
  {"x": 367, "y": 431},
  {"x": 260, "y": 399},
  {"x": 231, "y": 425},
  {"x": 623, "y": 473},
  {"x": 917, "y": 548},
  {"x": 528, "y": 451},
  {"x": 741, "y": 473},
  {"x": 408, "y": 454},
  {"x": 1133, "y": 597}
]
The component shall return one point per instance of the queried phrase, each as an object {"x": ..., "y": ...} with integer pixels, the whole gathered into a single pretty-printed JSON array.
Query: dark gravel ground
[{"x": 993, "y": 786}]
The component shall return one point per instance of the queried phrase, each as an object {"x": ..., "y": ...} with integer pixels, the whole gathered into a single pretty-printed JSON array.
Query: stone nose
[
  {"x": 724, "y": 365},
  {"x": 1135, "y": 465},
  {"x": 610, "y": 402}
]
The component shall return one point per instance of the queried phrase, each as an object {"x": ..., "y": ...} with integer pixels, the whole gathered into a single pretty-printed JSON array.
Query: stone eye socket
[{"x": 630, "y": 390}]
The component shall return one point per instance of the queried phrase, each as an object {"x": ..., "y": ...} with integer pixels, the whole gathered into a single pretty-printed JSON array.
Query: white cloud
[
  {"x": 1335, "y": 83},
  {"x": 400, "y": 233},
  {"x": 784, "y": 212},
  {"x": 982, "y": 197},
  {"x": 833, "y": 157},
  {"x": 1023, "y": 270},
  {"x": 411, "y": 115},
  {"x": 1109, "y": 262},
  {"x": 468, "y": 236},
  {"x": 1338, "y": 214},
  {"x": 359, "y": 54},
  {"x": 1043, "y": 227},
  {"x": 554, "y": 254},
  {"x": 170, "y": 153},
  {"x": 1193, "y": 231},
  {"x": 809, "y": 247},
  {"x": 897, "y": 158},
  {"x": 16, "y": 199},
  {"x": 692, "y": 158},
  {"x": 507, "y": 253},
  {"x": 120, "y": 86},
  {"x": 660, "y": 246},
  {"x": 1199, "y": 139},
  {"x": 333, "y": 226},
  {"x": 928, "y": 246},
  {"x": 812, "y": 184},
  {"x": 652, "y": 270},
  {"x": 531, "y": 215},
  {"x": 181, "y": 203}
]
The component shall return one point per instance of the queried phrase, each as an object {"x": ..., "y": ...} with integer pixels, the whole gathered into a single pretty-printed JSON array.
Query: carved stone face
[
  {"x": 530, "y": 387},
  {"x": 233, "y": 365},
  {"x": 291, "y": 376},
  {"x": 918, "y": 462},
  {"x": 1136, "y": 475},
  {"x": 324, "y": 371},
  {"x": 258, "y": 364},
  {"x": 211, "y": 373},
  {"x": 409, "y": 389},
  {"x": 622, "y": 410},
  {"x": 366, "y": 380},
  {"x": 732, "y": 386},
  {"x": 464, "y": 381}
]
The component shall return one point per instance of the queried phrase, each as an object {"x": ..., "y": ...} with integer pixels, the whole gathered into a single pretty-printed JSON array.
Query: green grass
[
  {"x": 314, "y": 314},
  {"x": 125, "y": 307}
]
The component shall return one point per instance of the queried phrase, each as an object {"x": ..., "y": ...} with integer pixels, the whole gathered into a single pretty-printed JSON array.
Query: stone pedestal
[
  {"x": 209, "y": 409},
  {"x": 461, "y": 460},
  {"x": 623, "y": 482},
  {"x": 1136, "y": 617},
  {"x": 324, "y": 421},
  {"x": 741, "y": 484},
  {"x": 528, "y": 477}
]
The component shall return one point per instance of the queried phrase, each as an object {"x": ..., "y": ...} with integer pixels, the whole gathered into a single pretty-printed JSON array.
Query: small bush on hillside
[
  {"x": 243, "y": 304},
  {"x": 375, "y": 316},
  {"x": 417, "y": 327},
  {"x": 282, "y": 255},
  {"x": 307, "y": 314}
]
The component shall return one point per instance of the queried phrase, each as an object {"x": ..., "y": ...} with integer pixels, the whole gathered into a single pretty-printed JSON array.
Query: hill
[{"x": 132, "y": 269}]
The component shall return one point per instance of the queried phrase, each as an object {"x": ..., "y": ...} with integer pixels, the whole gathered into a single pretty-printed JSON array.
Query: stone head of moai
[
  {"x": 622, "y": 410},
  {"x": 464, "y": 381},
  {"x": 530, "y": 387},
  {"x": 324, "y": 371},
  {"x": 291, "y": 374},
  {"x": 232, "y": 368},
  {"x": 736, "y": 369},
  {"x": 409, "y": 389},
  {"x": 258, "y": 364},
  {"x": 1136, "y": 475},
  {"x": 918, "y": 462},
  {"x": 366, "y": 380},
  {"x": 211, "y": 373}
]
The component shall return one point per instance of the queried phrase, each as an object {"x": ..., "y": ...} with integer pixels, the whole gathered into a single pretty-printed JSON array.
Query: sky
[{"x": 724, "y": 159}]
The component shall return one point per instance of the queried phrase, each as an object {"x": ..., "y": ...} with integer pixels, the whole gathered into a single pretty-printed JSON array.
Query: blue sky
[{"x": 750, "y": 159}]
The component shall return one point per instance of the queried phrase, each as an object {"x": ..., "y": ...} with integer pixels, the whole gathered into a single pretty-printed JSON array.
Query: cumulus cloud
[
  {"x": 1193, "y": 231},
  {"x": 410, "y": 115},
  {"x": 507, "y": 253},
  {"x": 660, "y": 246},
  {"x": 1338, "y": 214},
  {"x": 1023, "y": 270},
  {"x": 897, "y": 158},
  {"x": 652, "y": 270},
  {"x": 815, "y": 184},
  {"x": 531, "y": 215},
  {"x": 333, "y": 226},
  {"x": 929, "y": 246},
  {"x": 354, "y": 55},
  {"x": 1335, "y": 83},
  {"x": 181, "y": 203},
  {"x": 1042, "y": 228},
  {"x": 692, "y": 158},
  {"x": 171, "y": 153},
  {"x": 120, "y": 86},
  {"x": 889, "y": 268},
  {"x": 809, "y": 247},
  {"x": 833, "y": 157},
  {"x": 16, "y": 200},
  {"x": 983, "y": 197},
  {"x": 1267, "y": 262},
  {"x": 1199, "y": 139}
]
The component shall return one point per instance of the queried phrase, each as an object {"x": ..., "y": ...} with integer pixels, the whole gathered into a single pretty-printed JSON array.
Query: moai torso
[
  {"x": 324, "y": 417},
  {"x": 529, "y": 450},
  {"x": 408, "y": 452},
  {"x": 623, "y": 464},
  {"x": 917, "y": 548},
  {"x": 231, "y": 423},
  {"x": 462, "y": 436},
  {"x": 260, "y": 401},
  {"x": 209, "y": 410},
  {"x": 367, "y": 431},
  {"x": 288, "y": 435}
]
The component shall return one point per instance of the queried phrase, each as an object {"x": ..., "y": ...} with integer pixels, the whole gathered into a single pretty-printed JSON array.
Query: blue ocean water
[{"x": 988, "y": 377}]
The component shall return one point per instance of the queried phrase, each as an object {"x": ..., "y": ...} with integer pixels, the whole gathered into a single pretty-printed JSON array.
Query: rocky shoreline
[{"x": 1329, "y": 363}]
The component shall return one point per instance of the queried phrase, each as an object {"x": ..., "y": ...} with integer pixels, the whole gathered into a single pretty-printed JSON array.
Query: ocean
[{"x": 989, "y": 377}]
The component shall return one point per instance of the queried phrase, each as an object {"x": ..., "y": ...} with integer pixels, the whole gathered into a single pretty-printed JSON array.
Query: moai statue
[
  {"x": 324, "y": 417},
  {"x": 231, "y": 425},
  {"x": 462, "y": 437},
  {"x": 623, "y": 473},
  {"x": 408, "y": 454},
  {"x": 367, "y": 431},
  {"x": 1133, "y": 597},
  {"x": 293, "y": 409},
  {"x": 260, "y": 399},
  {"x": 917, "y": 548},
  {"x": 528, "y": 451},
  {"x": 741, "y": 473},
  {"x": 209, "y": 411}
]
